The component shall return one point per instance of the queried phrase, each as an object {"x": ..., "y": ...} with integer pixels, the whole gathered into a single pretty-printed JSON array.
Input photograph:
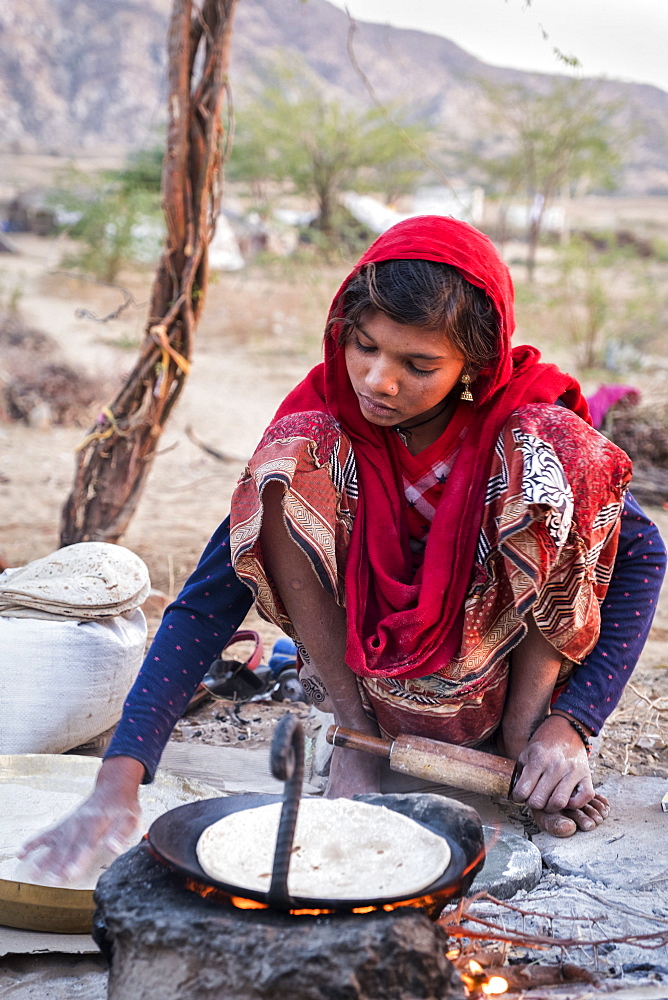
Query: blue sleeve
[
  {"x": 626, "y": 618},
  {"x": 193, "y": 631}
]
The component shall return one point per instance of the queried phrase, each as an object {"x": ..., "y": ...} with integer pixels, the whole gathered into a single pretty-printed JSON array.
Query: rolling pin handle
[{"x": 339, "y": 736}]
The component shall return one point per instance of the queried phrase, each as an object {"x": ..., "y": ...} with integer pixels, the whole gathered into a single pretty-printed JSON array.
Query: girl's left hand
[{"x": 556, "y": 781}]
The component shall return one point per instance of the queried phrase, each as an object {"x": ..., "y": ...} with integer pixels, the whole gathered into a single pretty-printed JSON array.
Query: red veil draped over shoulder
[{"x": 402, "y": 623}]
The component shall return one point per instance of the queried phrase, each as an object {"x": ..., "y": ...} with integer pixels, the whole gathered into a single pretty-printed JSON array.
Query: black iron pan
[{"x": 173, "y": 836}]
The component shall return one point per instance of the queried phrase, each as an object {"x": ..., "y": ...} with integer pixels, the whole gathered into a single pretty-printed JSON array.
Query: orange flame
[
  {"x": 432, "y": 905},
  {"x": 494, "y": 986},
  {"x": 308, "y": 913},
  {"x": 242, "y": 903},
  {"x": 476, "y": 981}
]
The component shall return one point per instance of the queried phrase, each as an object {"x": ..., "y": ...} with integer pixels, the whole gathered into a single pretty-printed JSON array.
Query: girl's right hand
[
  {"x": 556, "y": 781},
  {"x": 104, "y": 823}
]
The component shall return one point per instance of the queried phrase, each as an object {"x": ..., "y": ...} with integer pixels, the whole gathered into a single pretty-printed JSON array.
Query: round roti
[{"x": 342, "y": 850}]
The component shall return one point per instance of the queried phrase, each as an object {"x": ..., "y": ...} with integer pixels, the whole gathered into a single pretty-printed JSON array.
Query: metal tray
[{"x": 52, "y": 908}]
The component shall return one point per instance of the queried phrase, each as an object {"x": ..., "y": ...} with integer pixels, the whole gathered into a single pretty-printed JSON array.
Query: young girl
[{"x": 433, "y": 520}]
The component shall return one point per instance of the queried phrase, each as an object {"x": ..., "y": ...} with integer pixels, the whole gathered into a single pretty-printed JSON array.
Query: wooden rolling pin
[{"x": 442, "y": 763}]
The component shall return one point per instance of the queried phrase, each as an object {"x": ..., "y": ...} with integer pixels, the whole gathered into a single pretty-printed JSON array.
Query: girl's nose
[{"x": 381, "y": 378}]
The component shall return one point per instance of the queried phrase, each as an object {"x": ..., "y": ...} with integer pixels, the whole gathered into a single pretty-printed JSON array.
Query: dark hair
[{"x": 426, "y": 294}]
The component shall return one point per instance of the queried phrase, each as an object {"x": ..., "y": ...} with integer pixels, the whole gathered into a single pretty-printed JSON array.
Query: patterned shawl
[{"x": 401, "y": 623}]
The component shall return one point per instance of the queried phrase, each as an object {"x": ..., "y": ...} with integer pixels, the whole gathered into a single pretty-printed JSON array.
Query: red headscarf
[{"x": 400, "y": 624}]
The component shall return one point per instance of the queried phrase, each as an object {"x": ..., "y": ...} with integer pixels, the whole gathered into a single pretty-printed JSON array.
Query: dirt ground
[{"x": 259, "y": 336}]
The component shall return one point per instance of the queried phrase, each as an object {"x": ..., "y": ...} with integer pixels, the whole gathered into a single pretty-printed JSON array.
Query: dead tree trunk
[{"x": 115, "y": 458}]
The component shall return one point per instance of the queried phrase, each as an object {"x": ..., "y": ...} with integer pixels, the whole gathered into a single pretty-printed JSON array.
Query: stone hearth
[{"x": 166, "y": 942}]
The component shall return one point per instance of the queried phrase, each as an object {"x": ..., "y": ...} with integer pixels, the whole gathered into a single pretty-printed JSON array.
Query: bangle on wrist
[{"x": 574, "y": 724}]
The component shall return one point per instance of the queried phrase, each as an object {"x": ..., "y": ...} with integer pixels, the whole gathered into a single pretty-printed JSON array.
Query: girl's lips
[{"x": 377, "y": 408}]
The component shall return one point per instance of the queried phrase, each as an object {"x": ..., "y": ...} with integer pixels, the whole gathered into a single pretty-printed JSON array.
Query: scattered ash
[{"x": 250, "y": 724}]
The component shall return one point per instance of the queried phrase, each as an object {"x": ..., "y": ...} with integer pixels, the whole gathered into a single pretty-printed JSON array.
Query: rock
[
  {"x": 169, "y": 943},
  {"x": 628, "y": 850},
  {"x": 512, "y": 863}
]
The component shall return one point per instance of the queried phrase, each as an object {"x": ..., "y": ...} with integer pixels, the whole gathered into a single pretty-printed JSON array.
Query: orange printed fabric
[
  {"x": 310, "y": 456},
  {"x": 546, "y": 546}
]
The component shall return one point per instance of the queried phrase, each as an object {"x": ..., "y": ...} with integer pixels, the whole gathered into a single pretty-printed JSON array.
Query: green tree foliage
[
  {"x": 294, "y": 135},
  {"x": 543, "y": 142},
  {"x": 609, "y": 301},
  {"x": 143, "y": 171},
  {"x": 112, "y": 207},
  {"x": 108, "y": 232}
]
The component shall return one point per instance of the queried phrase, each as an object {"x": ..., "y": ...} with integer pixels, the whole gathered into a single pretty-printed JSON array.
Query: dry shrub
[
  {"x": 16, "y": 336},
  {"x": 643, "y": 434},
  {"x": 52, "y": 393},
  {"x": 36, "y": 385}
]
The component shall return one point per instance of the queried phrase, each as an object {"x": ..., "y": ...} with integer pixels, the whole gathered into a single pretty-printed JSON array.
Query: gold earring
[{"x": 466, "y": 392}]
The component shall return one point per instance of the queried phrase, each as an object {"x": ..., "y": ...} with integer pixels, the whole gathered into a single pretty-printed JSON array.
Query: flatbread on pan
[{"x": 342, "y": 850}]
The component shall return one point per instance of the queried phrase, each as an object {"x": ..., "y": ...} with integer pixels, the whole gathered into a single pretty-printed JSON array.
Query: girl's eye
[
  {"x": 419, "y": 371},
  {"x": 365, "y": 348}
]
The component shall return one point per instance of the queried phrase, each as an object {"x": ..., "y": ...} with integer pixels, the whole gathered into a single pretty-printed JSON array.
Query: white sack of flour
[
  {"x": 72, "y": 639},
  {"x": 64, "y": 682}
]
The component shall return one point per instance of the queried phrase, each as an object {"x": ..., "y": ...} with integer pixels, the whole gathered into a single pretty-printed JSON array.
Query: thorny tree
[
  {"x": 542, "y": 142},
  {"x": 115, "y": 458}
]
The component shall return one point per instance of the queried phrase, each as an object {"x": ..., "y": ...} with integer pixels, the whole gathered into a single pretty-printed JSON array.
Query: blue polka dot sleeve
[
  {"x": 626, "y": 617},
  {"x": 193, "y": 631}
]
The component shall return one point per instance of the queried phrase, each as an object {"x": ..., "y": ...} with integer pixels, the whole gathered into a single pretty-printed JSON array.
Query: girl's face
[{"x": 400, "y": 372}]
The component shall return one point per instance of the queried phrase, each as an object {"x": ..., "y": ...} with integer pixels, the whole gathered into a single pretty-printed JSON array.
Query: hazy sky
[{"x": 624, "y": 39}]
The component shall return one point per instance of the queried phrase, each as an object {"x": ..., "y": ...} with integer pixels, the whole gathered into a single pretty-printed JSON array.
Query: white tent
[{"x": 224, "y": 252}]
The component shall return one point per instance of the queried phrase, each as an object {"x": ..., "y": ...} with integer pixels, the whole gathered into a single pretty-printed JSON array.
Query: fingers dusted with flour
[
  {"x": 556, "y": 781},
  {"x": 104, "y": 821}
]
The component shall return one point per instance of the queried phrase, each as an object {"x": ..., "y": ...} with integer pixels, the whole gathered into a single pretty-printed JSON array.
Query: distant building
[{"x": 28, "y": 212}]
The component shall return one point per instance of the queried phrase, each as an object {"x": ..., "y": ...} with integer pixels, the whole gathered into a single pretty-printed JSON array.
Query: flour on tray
[{"x": 28, "y": 809}]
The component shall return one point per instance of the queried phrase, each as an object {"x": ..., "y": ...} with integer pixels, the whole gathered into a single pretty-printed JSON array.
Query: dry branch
[
  {"x": 115, "y": 458},
  {"x": 528, "y": 977},
  {"x": 648, "y": 942},
  {"x": 209, "y": 449},
  {"x": 453, "y": 923}
]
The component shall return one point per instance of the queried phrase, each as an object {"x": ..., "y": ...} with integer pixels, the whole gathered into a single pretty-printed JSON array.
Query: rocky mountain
[{"x": 85, "y": 74}]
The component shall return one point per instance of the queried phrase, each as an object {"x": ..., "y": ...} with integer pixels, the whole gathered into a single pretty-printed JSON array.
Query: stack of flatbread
[
  {"x": 342, "y": 850},
  {"x": 84, "y": 581}
]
